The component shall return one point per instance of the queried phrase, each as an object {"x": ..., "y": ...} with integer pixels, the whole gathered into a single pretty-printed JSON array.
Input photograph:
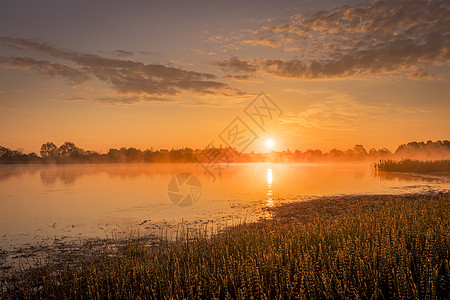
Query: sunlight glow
[
  {"x": 269, "y": 176},
  {"x": 269, "y": 201},
  {"x": 269, "y": 143}
]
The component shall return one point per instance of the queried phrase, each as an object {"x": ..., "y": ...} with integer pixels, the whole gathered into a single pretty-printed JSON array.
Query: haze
[{"x": 107, "y": 74}]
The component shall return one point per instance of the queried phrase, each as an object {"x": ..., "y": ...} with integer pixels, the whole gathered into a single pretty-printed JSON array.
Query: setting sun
[
  {"x": 224, "y": 149},
  {"x": 270, "y": 143}
]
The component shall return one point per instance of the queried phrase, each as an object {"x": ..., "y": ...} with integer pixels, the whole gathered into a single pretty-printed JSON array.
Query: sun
[{"x": 270, "y": 143}]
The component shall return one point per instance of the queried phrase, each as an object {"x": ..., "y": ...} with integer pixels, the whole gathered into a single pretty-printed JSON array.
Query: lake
[{"x": 48, "y": 203}]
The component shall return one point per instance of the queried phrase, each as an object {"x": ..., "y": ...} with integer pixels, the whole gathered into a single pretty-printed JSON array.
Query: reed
[
  {"x": 413, "y": 166},
  {"x": 369, "y": 247}
]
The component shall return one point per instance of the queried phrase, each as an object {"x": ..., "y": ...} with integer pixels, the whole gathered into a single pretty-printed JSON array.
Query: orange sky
[{"x": 171, "y": 74}]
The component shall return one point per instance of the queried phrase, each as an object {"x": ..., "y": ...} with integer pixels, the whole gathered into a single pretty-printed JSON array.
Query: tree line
[{"x": 68, "y": 152}]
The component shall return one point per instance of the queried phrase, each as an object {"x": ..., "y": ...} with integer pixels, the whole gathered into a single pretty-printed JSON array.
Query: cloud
[
  {"x": 401, "y": 38},
  {"x": 246, "y": 77},
  {"x": 152, "y": 53},
  {"x": 337, "y": 112},
  {"x": 235, "y": 64},
  {"x": 123, "y": 53},
  {"x": 207, "y": 104},
  {"x": 75, "y": 76},
  {"x": 421, "y": 76},
  {"x": 123, "y": 75},
  {"x": 201, "y": 52},
  {"x": 334, "y": 111},
  {"x": 214, "y": 102},
  {"x": 114, "y": 100},
  {"x": 264, "y": 41}
]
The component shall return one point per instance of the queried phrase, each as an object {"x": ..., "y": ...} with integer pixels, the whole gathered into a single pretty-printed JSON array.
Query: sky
[{"x": 172, "y": 74}]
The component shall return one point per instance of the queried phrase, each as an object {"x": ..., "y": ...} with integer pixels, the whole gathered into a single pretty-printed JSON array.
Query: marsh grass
[
  {"x": 369, "y": 247},
  {"x": 413, "y": 166}
]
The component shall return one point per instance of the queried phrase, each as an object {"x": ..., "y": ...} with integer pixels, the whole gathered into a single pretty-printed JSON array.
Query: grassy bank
[
  {"x": 413, "y": 166},
  {"x": 333, "y": 248}
]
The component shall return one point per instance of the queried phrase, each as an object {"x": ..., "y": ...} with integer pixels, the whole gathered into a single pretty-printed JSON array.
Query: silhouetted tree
[
  {"x": 359, "y": 150},
  {"x": 33, "y": 155},
  {"x": 49, "y": 150},
  {"x": 429, "y": 150},
  {"x": 69, "y": 152},
  {"x": 384, "y": 152},
  {"x": 133, "y": 154},
  {"x": 3, "y": 151},
  {"x": 68, "y": 149}
]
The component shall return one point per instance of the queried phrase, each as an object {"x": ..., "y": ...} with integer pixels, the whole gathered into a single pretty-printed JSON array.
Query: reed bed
[
  {"x": 368, "y": 247},
  {"x": 413, "y": 166}
]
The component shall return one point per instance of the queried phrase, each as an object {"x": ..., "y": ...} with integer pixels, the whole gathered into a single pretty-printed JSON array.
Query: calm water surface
[{"x": 44, "y": 203}]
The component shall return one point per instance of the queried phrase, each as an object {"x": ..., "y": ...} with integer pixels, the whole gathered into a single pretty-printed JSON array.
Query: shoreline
[
  {"x": 304, "y": 209},
  {"x": 320, "y": 232}
]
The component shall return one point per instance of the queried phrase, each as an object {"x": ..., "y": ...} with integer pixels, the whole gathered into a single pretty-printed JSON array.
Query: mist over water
[{"x": 44, "y": 203}]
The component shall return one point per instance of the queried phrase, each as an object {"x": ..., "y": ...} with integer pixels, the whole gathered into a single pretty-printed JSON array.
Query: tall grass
[
  {"x": 370, "y": 247},
  {"x": 413, "y": 166}
]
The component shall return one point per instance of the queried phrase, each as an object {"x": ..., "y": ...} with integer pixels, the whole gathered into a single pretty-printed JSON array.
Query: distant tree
[
  {"x": 350, "y": 154},
  {"x": 384, "y": 151},
  {"x": 49, "y": 150},
  {"x": 163, "y": 155},
  {"x": 148, "y": 155},
  {"x": 8, "y": 155},
  {"x": 421, "y": 150},
  {"x": 68, "y": 149},
  {"x": 32, "y": 155},
  {"x": 336, "y": 153},
  {"x": 359, "y": 150},
  {"x": 133, "y": 154},
  {"x": 3, "y": 151},
  {"x": 69, "y": 152},
  {"x": 113, "y": 155},
  {"x": 176, "y": 155},
  {"x": 188, "y": 155}
]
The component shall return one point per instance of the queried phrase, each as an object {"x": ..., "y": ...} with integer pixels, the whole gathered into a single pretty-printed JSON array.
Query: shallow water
[{"x": 47, "y": 203}]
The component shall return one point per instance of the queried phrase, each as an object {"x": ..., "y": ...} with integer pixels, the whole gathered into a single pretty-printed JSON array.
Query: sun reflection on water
[{"x": 269, "y": 200}]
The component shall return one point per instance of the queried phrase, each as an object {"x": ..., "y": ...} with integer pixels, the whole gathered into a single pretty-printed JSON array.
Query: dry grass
[
  {"x": 413, "y": 166},
  {"x": 369, "y": 247}
]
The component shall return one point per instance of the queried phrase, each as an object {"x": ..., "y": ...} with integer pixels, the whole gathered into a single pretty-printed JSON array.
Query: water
[{"x": 47, "y": 203}]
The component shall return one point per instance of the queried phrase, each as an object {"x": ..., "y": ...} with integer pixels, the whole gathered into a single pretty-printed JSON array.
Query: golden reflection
[
  {"x": 269, "y": 176},
  {"x": 269, "y": 201}
]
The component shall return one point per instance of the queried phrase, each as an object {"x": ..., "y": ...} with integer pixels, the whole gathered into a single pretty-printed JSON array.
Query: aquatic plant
[{"x": 332, "y": 248}]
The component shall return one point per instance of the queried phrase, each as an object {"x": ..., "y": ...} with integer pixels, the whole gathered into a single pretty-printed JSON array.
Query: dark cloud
[
  {"x": 235, "y": 64},
  {"x": 124, "y": 75},
  {"x": 75, "y": 76},
  {"x": 421, "y": 76},
  {"x": 119, "y": 100},
  {"x": 123, "y": 53},
  {"x": 246, "y": 77},
  {"x": 152, "y": 53},
  {"x": 387, "y": 37}
]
